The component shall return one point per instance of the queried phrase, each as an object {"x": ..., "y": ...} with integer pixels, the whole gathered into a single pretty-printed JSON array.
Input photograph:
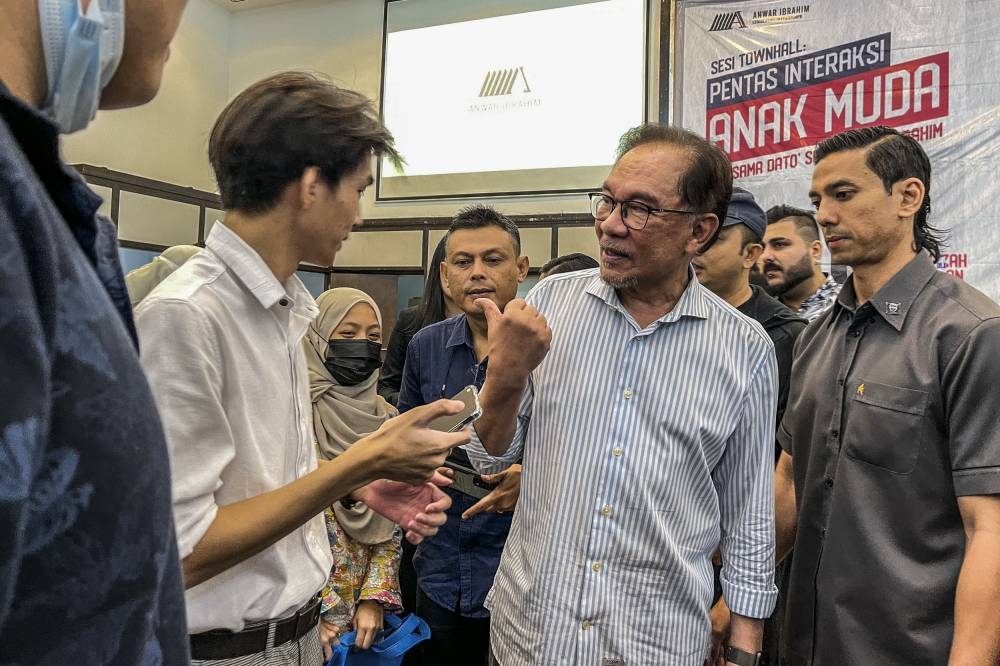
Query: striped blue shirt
[{"x": 642, "y": 449}]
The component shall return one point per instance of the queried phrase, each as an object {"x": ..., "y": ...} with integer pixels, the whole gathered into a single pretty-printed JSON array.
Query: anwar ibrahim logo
[
  {"x": 727, "y": 21},
  {"x": 501, "y": 82}
]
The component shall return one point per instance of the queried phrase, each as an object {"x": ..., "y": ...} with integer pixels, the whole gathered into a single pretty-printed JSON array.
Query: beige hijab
[
  {"x": 344, "y": 414},
  {"x": 144, "y": 279}
]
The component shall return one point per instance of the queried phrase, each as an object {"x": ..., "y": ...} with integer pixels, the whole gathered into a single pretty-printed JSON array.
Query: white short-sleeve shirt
[{"x": 221, "y": 343}]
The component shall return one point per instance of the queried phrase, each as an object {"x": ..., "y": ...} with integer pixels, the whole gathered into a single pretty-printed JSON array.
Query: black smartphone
[
  {"x": 472, "y": 411},
  {"x": 468, "y": 480}
]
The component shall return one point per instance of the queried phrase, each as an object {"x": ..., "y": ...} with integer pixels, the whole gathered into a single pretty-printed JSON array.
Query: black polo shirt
[
  {"x": 783, "y": 326},
  {"x": 889, "y": 420}
]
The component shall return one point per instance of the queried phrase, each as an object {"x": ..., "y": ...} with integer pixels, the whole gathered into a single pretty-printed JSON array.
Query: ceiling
[{"x": 248, "y": 4}]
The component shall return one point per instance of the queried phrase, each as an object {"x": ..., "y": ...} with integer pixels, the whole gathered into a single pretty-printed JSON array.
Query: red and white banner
[{"x": 768, "y": 80}]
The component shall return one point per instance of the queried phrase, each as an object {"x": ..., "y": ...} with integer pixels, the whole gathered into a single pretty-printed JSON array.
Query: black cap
[{"x": 743, "y": 209}]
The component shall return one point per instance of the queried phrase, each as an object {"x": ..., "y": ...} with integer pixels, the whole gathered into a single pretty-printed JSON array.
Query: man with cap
[{"x": 724, "y": 268}]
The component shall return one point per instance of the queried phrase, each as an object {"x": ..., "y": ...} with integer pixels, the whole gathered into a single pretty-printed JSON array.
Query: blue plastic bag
[{"x": 389, "y": 647}]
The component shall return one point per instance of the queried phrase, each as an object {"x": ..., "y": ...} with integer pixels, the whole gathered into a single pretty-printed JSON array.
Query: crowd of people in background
[{"x": 204, "y": 464}]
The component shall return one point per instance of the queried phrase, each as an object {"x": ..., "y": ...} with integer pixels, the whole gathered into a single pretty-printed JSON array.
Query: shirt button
[
  {"x": 283, "y": 302},
  {"x": 828, "y": 482},
  {"x": 628, "y": 394},
  {"x": 606, "y": 510},
  {"x": 617, "y": 451},
  {"x": 586, "y": 624},
  {"x": 835, "y": 433},
  {"x": 596, "y": 566}
]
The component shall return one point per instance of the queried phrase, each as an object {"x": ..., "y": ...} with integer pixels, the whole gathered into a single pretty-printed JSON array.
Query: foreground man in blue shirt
[
  {"x": 88, "y": 561},
  {"x": 647, "y": 433},
  {"x": 455, "y": 568}
]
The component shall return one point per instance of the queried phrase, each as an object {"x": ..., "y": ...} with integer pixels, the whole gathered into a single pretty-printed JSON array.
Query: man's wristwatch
[{"x": 743, "y": 658}]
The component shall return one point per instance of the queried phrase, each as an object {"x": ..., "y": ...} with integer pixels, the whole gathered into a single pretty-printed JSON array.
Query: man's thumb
[{"x": 490, "y": 309}]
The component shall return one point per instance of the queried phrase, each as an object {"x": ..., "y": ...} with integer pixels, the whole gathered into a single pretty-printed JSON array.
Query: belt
[{"x": 222, "y": 644}]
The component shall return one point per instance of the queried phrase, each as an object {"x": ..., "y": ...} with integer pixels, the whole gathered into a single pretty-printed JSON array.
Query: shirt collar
[
  {"x": 692, "y": 303},
  {"x": 893, "y": 301},
  {"x": 29, "y": 124},
  {"x": 460, "y": 334},
  {"x": 38, "y": 138},
  {"x": 822, "y": 295},
  {"x": 250, "y": 269}
]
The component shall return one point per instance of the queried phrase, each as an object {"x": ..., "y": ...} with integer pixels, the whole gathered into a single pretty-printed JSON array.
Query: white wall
[
  {"x": 167, "y": 139},
  {"x": 341, "y": 39}
]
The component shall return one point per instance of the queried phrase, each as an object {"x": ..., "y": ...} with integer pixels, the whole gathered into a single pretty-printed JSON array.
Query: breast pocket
[{"x": 885, "y": 426}]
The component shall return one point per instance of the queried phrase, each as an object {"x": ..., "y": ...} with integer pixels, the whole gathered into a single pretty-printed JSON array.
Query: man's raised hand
[{"x": 519, "y": 337}]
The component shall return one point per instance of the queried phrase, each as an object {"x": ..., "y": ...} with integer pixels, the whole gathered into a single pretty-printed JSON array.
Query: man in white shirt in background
[{"x": 221, "y": 344}]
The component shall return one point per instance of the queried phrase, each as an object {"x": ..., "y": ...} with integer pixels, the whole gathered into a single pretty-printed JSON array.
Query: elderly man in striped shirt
[{"x": 643, "y": 406}]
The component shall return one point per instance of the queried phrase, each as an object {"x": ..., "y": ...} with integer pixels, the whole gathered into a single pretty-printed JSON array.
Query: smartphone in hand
[
  {"x": 472, "y": 411},
  {"x": 468, "y": 480}
]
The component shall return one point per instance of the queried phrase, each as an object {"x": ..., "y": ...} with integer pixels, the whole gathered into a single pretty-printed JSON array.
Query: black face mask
[{"x": 351, "y": 362}]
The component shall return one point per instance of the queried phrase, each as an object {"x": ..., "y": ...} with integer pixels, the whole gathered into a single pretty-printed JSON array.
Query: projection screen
[{"x": 501, "y": 97}]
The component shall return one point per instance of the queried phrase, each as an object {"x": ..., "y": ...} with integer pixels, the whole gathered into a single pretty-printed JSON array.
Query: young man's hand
[{"x": 405, "y": 449}]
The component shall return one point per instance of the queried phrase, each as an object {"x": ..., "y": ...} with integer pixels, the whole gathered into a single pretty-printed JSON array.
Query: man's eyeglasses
[{"x": 634, "y": 213}]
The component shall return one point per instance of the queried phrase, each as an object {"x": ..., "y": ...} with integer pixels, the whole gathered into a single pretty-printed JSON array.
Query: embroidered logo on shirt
[
  {"x": 861, "y": 388},
  {"x": 891, "y": 308}
]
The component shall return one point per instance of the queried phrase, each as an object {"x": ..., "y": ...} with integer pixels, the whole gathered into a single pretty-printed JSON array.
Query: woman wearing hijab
[{"x": 342, "y": 350}]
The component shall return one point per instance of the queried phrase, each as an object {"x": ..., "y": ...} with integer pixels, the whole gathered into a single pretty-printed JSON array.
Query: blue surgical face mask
[{"x": 82, "y": 52}]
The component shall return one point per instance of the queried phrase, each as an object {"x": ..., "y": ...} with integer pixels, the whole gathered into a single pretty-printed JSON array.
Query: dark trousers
[
  {"x": 408, "y": 590},
  {"x": 774, "y": 645},
  {"x": 455, "y": 640}
]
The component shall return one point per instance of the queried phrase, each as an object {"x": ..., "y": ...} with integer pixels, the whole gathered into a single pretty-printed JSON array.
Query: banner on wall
[{"x": 767, "y": 80}]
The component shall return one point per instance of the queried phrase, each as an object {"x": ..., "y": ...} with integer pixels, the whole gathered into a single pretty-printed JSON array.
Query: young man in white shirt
[{"x": 221, "y": 341}]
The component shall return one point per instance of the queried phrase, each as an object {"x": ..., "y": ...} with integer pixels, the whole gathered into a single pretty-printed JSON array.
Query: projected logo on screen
[{"x": 501, "y": 82}]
